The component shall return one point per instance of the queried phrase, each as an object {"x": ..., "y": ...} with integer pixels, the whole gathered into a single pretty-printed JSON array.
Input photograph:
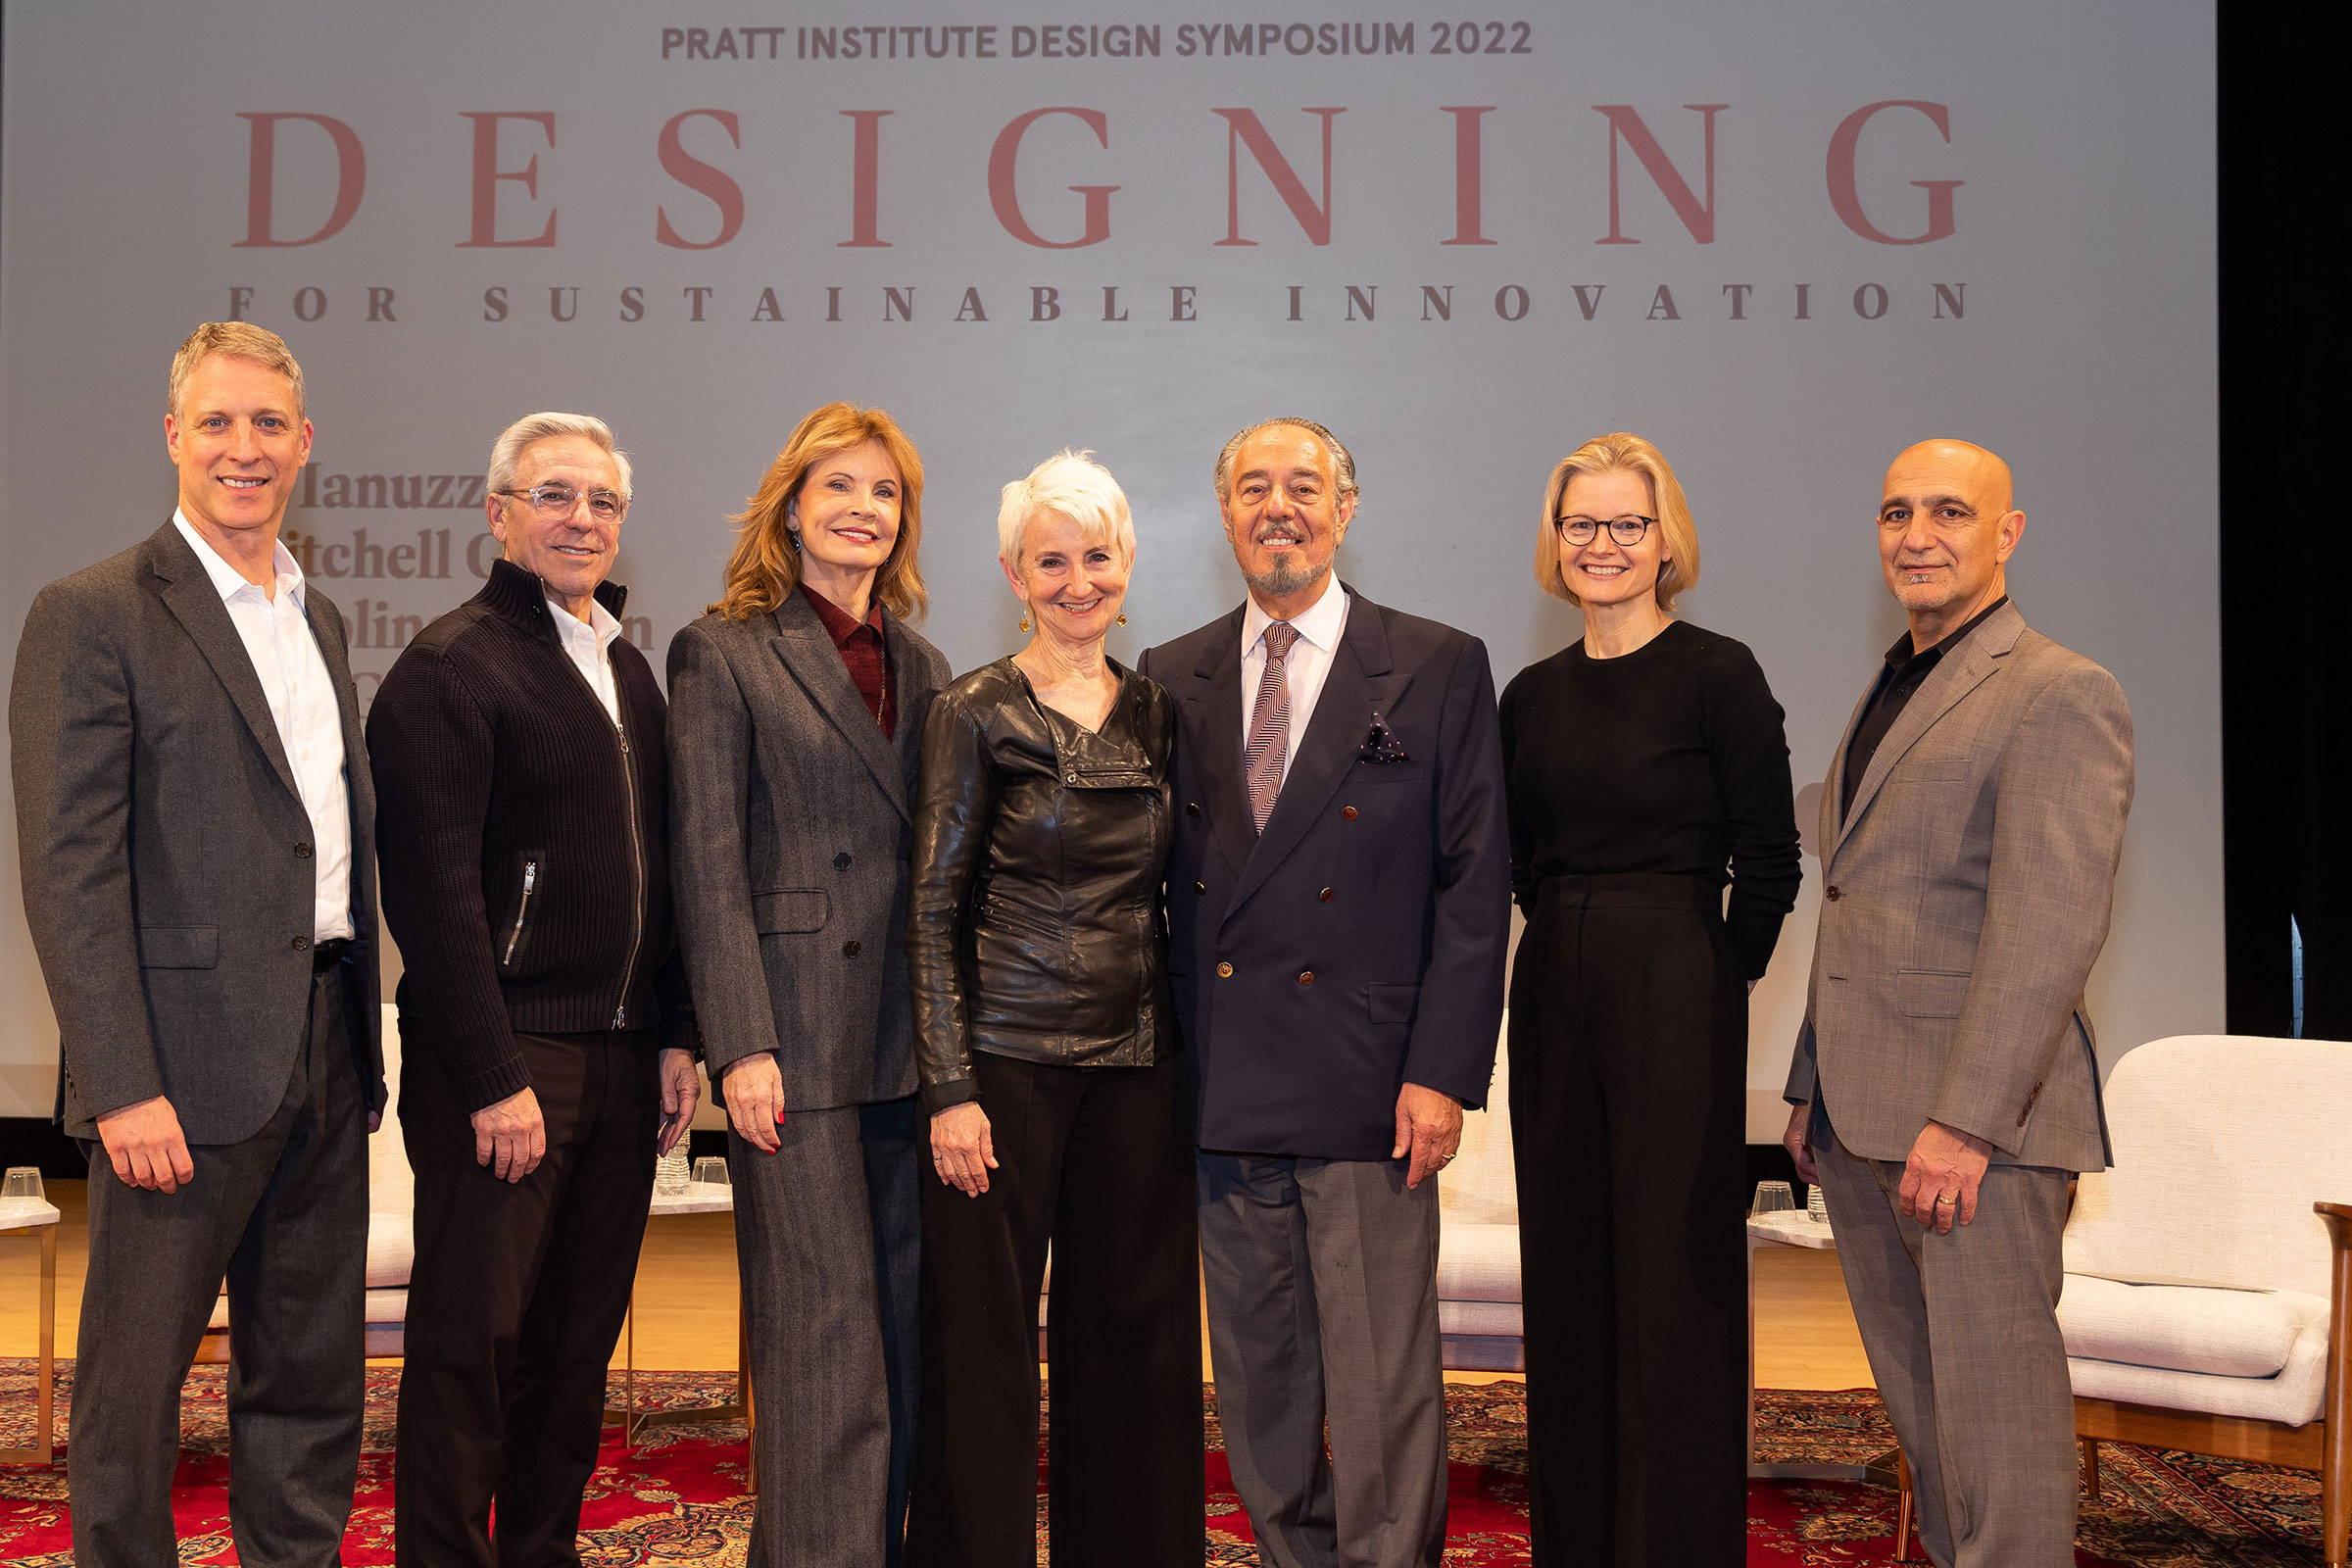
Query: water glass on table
[
  {"x": 711, "y": 1171},
  {"x": 22, "y": 1183},
  {"x": 1774, "y": 1197},
  {"x": 670, "y": 1173}
]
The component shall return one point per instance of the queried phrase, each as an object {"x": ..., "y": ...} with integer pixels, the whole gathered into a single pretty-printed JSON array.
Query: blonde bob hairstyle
[
  {"x": 766, "y": 566},
  {"x": 1620, "y": 453},
  {"x": 1068, "y": 484}
]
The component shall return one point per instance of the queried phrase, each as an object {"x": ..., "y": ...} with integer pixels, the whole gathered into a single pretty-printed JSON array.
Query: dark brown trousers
[{"x": 516, "y": 1301}]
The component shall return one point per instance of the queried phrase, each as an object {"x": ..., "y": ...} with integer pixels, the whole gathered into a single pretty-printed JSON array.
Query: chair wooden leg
[
  {"x": 2091, "y": 1467},
  {"x": 1902, "y": 1507}
]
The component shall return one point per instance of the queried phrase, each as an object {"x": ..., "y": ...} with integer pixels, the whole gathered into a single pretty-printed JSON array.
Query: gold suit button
[
  {"x": 1199, "y": 887},
  {"x": 1325, "y": 895},
  {"x": 1307, "y": 977},
  {"x": 1224, "y": 971},
  {"x": 1347, "y": 811}
]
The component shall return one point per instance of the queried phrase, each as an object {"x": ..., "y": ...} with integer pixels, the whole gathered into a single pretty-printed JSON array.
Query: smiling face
[
  {"x": 238, "y": 440},
  {"x": 1286, "y": 516},
  {"x": 1072, "y": 585},
  {"x": 1946, "y": 533},
  {"x": 572, "y": 553},
  {"x": 1604, "y": 571},
  {"x": 847, "y": 511}
]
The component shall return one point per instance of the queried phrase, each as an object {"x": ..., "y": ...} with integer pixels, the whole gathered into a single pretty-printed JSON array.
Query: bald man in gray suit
[{"x": 1945, "y": 1080}]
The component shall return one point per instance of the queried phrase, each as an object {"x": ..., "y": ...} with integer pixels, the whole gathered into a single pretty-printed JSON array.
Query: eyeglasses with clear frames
[
  {"x": 1629, "y": 530},
  {"x": 553, "y": 501}
]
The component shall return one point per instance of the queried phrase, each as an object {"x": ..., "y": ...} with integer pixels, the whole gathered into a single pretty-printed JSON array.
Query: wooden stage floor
[{"x": 686, "y": 1293}]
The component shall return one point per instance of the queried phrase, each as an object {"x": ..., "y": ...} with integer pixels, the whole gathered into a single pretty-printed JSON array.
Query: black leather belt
[{"x": 324, "y": 956}]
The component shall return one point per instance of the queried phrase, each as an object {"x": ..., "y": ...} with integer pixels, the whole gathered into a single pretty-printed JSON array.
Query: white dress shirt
[
  {"x": 586, "y": 641},
  {"x": 276, "y": 629},
  {"x": 1319, "y": 628}
]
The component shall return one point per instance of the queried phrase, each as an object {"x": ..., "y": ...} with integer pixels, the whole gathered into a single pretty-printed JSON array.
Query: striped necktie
[{"x": 1269, "y": 746}]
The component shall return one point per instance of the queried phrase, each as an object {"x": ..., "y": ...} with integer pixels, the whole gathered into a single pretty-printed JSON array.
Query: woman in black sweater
[{"x": 1646, "y": 769}]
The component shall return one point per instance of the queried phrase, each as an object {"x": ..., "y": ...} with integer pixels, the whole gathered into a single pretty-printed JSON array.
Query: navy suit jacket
[{"x": 1359, "y": 944}]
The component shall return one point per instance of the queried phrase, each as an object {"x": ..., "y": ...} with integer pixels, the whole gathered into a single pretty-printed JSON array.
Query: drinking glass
[
  {"x": 1773, "y": 1198},
  {"x": 670, "y": 1173},
  {"x": 711, "y": 1170},
  {"x": 23, "y": 1181}
]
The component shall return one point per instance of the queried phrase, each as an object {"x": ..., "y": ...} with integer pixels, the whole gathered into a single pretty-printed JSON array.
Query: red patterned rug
[{"x": 678, "y": 1499}]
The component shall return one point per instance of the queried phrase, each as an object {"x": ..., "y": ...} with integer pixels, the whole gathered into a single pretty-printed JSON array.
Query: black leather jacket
[{"x": 1036, "y": 921}]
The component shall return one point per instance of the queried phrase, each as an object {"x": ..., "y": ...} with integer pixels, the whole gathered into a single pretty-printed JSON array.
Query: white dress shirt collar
[
  {"x": 225, "y": 577},
  {"x": 586, "y": 641},
  {"x": 1320, "y": 624}
]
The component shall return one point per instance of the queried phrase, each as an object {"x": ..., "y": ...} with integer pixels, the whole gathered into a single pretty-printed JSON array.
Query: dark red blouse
[{"x": 864, "y": 651}]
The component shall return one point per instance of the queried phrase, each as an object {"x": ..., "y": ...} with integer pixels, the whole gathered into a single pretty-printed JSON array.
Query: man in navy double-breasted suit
[{"x": 1339, "y": 906}]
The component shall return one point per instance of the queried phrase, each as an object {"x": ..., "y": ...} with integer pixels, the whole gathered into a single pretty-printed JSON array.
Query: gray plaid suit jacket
[{"x": 1966, "y": 896}]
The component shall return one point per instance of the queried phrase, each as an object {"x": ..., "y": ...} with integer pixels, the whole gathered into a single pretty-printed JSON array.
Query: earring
[
  {"x": 1122, "y": 618},
  {"x": 1024, "y": 620},
  {"x": 793, "y": 534}
]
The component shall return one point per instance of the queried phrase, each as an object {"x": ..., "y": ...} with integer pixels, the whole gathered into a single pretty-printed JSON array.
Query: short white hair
[
  {"x": 506, "y": 454},
  {"x": 1068, "y": 484}
]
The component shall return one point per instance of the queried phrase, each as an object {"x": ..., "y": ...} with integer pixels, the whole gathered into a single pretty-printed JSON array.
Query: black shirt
[
  {"x": 1903, "y": 673},
  {"x": 1668, "y": 759}
]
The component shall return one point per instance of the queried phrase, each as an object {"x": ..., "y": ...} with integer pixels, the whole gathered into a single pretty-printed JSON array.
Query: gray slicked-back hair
[
  {"x": 1343, "y": 462},
  {"x": 508, "y": 449}
]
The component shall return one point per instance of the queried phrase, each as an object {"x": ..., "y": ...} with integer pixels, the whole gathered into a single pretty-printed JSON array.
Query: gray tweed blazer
[
  {"x": 790, "y": 828},
  {"x": 1966, "y": 897}
]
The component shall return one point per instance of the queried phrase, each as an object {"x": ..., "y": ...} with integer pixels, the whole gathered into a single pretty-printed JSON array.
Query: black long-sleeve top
[
  {"x": 524, "y": 839},
  {"x": 1668, "y": 759}
]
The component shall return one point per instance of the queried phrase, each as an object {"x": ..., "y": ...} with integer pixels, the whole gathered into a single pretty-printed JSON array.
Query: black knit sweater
[{"x": 522, "y": 840}]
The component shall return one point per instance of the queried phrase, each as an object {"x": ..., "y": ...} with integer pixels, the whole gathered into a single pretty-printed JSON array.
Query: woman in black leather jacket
[{"x": 1046, "y": 1037}]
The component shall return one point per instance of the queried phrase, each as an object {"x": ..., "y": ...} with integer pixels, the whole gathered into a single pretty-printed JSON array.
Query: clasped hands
[{"x": 1941, "y": 1177}]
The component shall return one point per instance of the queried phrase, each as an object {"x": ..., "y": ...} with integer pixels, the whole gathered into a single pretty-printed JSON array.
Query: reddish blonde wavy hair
[{"x": 765, "y": 565}]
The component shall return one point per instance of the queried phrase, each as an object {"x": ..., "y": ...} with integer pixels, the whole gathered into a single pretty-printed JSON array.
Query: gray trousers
[
  {"x": 1322, "y": 1283},
  {"x": 1962, "y": 1332},
  {"x": 283, "y": 1216},
  {"x": 828, "y": 1236}
]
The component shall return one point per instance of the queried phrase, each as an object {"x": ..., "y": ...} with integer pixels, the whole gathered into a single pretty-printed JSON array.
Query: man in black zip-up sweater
[{"x": 548, "y": 1038}]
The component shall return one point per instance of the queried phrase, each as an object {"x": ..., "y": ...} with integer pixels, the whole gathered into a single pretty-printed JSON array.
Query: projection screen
[{"x": 1781, "y": 241}]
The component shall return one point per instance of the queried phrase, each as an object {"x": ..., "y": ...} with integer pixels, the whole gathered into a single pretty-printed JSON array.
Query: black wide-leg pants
[
  {"x": 1095, "y": 1160},
  {"x": 1629, "y": 1054},
  {"x": 516, "y": 1301}
]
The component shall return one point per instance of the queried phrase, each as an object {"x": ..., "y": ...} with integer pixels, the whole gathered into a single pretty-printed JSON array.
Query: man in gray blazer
[
  {"x": 1945, "y": 1081},
  {"x": 193, "y": 815}
]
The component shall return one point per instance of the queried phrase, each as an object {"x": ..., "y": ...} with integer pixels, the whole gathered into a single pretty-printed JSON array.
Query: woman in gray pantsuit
[{"x": 795, "y": 706}]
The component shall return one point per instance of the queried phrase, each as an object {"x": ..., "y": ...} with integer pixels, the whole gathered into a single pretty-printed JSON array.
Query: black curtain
[{"x": 2286, "y": 515}]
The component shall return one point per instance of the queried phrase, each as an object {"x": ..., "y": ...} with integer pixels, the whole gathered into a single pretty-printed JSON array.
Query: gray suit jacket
[
  {"x": 1966, "y": 897},
  {"x": 168, "y": 867},
  {"x": 790, "y": 827}
]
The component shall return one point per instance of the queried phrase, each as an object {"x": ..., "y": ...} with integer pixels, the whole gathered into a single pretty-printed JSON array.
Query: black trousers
[
  {"x": 1094, "y": 1159},
  {"x": 516, "y": 1301},
  {"x": 1629, "y": 1056},
  {"x": 283, "y": 1215}
]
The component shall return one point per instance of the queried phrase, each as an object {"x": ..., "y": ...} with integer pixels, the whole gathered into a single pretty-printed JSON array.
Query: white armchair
[
  {"x": 391, "y": 1233},
  {"x": 2207, "y": 1306}
]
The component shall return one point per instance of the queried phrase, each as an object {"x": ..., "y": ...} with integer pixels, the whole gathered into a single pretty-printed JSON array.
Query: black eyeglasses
[
  {"x": 1629, "y": 530},
  {"x": 553, "y": 501}
]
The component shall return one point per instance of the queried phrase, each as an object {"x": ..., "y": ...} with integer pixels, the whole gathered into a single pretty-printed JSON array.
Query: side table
[
  {"x": 1796, "y": 1228},
  {"x": 30, "y": 1217},
  {"x": 699, "y": 1198}
]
